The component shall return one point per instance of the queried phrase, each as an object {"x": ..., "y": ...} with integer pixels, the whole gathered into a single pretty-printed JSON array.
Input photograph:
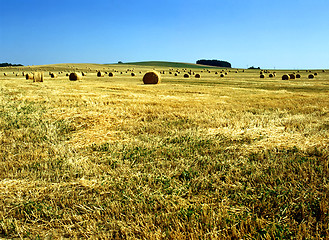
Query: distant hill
[
  {"x": 9, "y": 65},
  {"x": 167, "y": 64}
]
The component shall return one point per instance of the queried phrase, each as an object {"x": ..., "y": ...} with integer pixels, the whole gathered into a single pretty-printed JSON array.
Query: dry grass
[{"x": 214, "y": 158}]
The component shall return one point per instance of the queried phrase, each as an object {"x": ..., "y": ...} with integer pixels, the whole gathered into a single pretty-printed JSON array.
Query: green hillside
[{"x": 167, "y": 64}]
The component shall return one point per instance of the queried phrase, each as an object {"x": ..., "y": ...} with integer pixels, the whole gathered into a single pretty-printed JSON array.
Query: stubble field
[{"x": 238, "y": 157}]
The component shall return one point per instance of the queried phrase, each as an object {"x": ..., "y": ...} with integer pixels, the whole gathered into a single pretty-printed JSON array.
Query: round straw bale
[
  {"x": 186, "y": 76},
  {"x": 197, "y": 75},
  {"x": 17, "y": 74},
  {"x": 262, "y": 76},
  {"x": 315, "y": 74},
  {"x": 226, "y": 73},
  {"x": 111, "y": 74},
  {"x": 311, "y": 76},
  {"x": 4, "y": 74},
  {"x": 292, "y": 76},
  {"x": 53, "y": 75},
  {"x": 152, "y": 77},
  {"x": 271, "y": 75},
  {"x": 100, "y": 74},
  {"x": 38, "y": 77},
  {"x": 84, "y": 74},
  {"x": 285, "y": 77},
  {"x": 75, "y": 76},
  {"x": 133, "y": 74},
  {"x": 323, "y": 70},
  {"x": 176, "y": 74},
  {"x": 222, "y": 75},
  {"x": 297, "y": 75},
  {"x": 29, "y": 76}
]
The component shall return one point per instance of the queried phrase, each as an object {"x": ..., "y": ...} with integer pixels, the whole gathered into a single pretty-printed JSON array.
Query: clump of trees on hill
[
  {"x": 9, "y": 65},
  {"x": 252, "y": 67},
  {"x": 214, "y": 62}
]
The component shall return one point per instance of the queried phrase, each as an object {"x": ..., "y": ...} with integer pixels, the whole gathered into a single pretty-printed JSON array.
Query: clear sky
[{"x": 265, "y": 33}]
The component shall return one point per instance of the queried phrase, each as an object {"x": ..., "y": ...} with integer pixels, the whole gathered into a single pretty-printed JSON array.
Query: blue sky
[{"x": 270, "y": 34}]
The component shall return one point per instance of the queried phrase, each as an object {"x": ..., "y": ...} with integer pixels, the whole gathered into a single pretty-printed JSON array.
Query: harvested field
[{"x": 234, "y": 157}]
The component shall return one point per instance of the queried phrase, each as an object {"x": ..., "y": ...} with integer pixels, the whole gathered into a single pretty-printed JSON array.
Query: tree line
[
  {"x": 9, "y": 65},
  {"x": 214, "y": 62}
]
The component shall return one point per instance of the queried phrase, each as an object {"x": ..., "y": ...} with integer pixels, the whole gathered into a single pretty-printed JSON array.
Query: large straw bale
[{"x": 152, "y": 77}]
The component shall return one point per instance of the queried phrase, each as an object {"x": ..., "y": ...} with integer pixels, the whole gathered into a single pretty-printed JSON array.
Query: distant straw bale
[
  {"x": 4, "y": 74},
  {"x": 285, "y": 77},
  {"x": 84, "y": 74},
  {"x": 311, "y": 76},
  {"x": 271, "y": 75},
  {"x": 315, "y": 74},
  {"x": 262, "y": 76},
  {"x": 29, "y": 76},
  {"x": 186, "y": 76},
  {"x": 292, "y": 76},
  {"x": 75, "y": 76},
  {"x": 297, "y": 75},
  {"x": 38, "y": 77},
  {"x": 197, "y": 75},
  {"x": 222, "y": 75},
  {"x": 53, "y": 75},
  {"x": 152, "y": 77},
  {"x": 133, "y": 74},
  {"x": 100, "y": 74},
  {"x": 111, "y": 74}
]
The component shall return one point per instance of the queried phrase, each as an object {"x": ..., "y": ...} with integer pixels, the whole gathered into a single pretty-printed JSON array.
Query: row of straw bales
[
  {"x": 294, "y": 76},
  {"x": 152, "y": 77}
]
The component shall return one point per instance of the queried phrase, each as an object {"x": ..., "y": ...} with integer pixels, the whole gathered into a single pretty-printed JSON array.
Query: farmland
[{"x": 237, "y": 157}]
